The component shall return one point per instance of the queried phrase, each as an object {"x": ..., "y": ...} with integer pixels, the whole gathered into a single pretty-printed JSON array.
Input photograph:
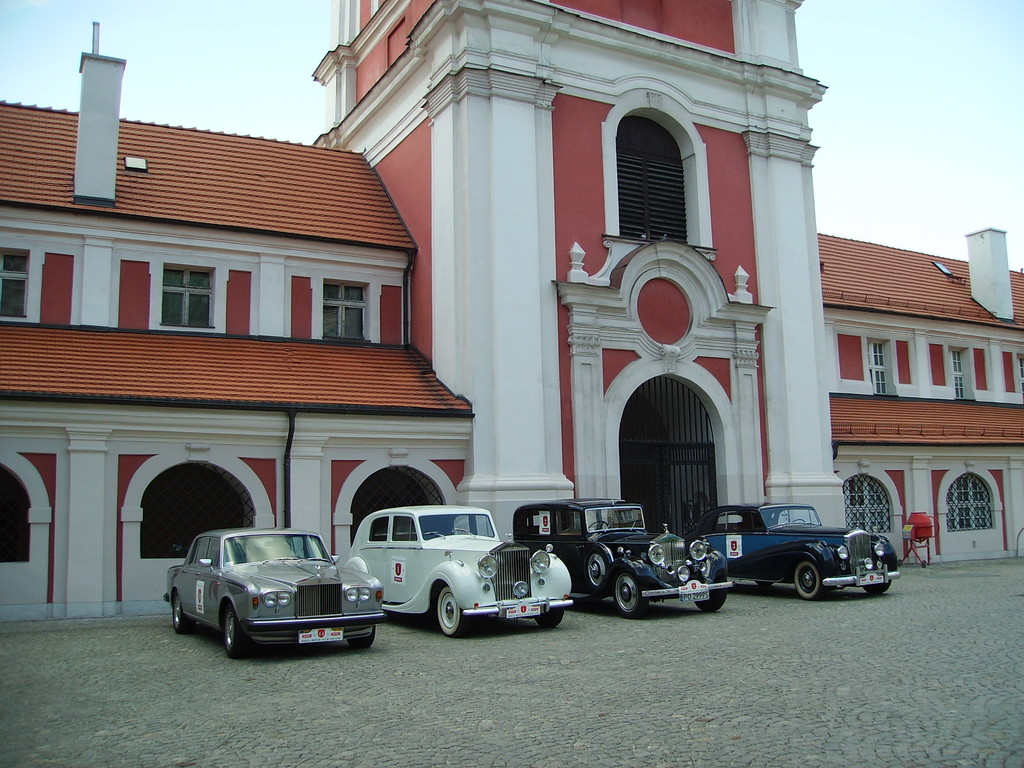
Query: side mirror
[{"x": 205, "y": 561}]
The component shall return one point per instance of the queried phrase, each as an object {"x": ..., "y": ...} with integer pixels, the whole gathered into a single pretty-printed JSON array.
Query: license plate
[
  {"x": 321, "y": 635},
  {"x": 692, "y": 591},
  {"x": 871, "y": 577},
  {"x": 523, "y": 611}
]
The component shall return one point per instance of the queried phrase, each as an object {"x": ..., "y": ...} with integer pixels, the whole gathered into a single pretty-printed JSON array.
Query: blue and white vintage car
[
  {"x": 775, "y": 543},
  {"x": 448, "y": 559},
  {"x": 271, "y": 586}
]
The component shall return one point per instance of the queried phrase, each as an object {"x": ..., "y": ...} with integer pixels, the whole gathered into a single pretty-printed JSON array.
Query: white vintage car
[{"x": 448, "y": 559}]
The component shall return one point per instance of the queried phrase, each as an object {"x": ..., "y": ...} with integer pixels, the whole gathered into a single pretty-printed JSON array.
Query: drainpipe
[{"x": 286, "y": 512}]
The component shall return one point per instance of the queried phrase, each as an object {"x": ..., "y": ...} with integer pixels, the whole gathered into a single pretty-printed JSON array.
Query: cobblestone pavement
[{"x": 930, "y": 674}]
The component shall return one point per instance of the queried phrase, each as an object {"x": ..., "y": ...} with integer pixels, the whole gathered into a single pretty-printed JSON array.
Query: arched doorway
[
  {"x": 392, "y": 487},
  {"x": 14, "y": 526},
  {"x": 186, "y": 500},
  {"x": 667, "y": 454}
]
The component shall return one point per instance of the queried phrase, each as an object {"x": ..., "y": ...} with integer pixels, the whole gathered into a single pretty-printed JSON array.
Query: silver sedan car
[{"x": 272, "y": 586}]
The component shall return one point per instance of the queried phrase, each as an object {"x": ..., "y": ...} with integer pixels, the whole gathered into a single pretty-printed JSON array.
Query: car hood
[
  {"x": 471, "y": 545},
  {"x": 623, "y": 537},
  {"x": 294, "y": 572},
  {"x": 817, "y": 531}
]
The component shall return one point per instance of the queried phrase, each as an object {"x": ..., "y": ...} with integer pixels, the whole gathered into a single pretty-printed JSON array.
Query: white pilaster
[
  {"x": 98, "y": 278},
  {"x": 90, "y": 549}
]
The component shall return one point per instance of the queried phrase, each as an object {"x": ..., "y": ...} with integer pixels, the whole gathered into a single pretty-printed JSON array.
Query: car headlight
[
  {"x": 352, "y": 594},
  {"x": 520, "y": 589},
  {"x": 683, "y": 574},
  {"x": 698, "y": 549},
  {"x": 364, "y": 594},
  {"x": 879, "y": 548},
  {"x": 657, "y": 555},
  {"x": 843, "y": 552},
  {"x": 277, "y": 598},
  {"x": 487, "y": 566},
  {"x": 540, "y": 561}
]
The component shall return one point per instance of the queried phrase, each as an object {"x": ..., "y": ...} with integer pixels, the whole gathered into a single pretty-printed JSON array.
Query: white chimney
[
  {"x": 990, "y": 272},
  {"x": 98, "y": 124}
]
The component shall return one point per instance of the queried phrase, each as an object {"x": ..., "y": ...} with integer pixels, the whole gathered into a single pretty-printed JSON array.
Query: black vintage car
[
  {"x": 787, "y": 543},
  {"x": 608, "y": 551}
]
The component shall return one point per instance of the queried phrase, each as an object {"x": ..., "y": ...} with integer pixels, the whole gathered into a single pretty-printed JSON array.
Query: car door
[
  {"x": 741, "y": 536},
  {"x": 375, "y": 554},
  {"x": 193, "y": 578},
  {"x": 207, "y": 559},
  {"x": 406, "y": 570}
]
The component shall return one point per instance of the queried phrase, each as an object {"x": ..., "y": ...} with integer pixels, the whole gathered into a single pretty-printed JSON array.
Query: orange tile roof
[
  {"x": 860, "y": 275},
  {"x": 201, "y": 177},
  {"x": 169, "y": 369},
  {"x": 875, "y": 420}
]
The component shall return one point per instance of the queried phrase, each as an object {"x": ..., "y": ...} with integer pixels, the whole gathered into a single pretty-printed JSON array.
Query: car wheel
[
  {"x": 449, "y": 616},
  {"x": 550, "y": 618},
  {"x": 597, "y": 568},
  {"x": 807, "y": 580},
  {"x": 237, "y": 644},
  {"x": 716, "y": 600},
  {"x": 877, "y": 589},
  {"x": 365, "y": 641},
  {"x": 630, "y": 603},
  {"x": 182, "y": 624}
]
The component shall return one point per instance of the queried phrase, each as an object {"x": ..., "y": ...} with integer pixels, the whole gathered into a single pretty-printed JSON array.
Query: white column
[
  {"x": 272, "y": 299},
  {"x": 794, "y": 347},
  {"x": 90, "y": 546},
  {"x": 494, "y": 291},
  {"x": 309, "y": 509}
]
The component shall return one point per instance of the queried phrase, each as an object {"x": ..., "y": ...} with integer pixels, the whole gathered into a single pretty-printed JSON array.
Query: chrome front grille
[
  {"x": 513, "y": 566},
  {"x": 312, "y": 600},
  {"x": 676, "y": 552},
  {"x": 859, "y": 543}
]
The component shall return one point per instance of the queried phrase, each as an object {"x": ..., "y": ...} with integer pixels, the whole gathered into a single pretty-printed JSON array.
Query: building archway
[
  {"x": 14, "y": 525},
  {"x": 187, "y": 499},
  {"x": 667, "y": 453},
  {"x": 392, "y": 487}
]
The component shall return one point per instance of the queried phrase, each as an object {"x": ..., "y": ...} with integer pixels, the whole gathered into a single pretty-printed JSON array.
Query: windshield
[
  {"x": 273, "y": 546},
  {"x": 790, "y": 515},
  {"x": 457, "y": 524},
  {"x": 600, "y": 518}
]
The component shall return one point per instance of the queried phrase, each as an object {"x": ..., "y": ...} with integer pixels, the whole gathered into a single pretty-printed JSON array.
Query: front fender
[
  {"x": 821, "y": 554},
  {"x": 719, "y": 566},
  {"x": 357, "y": 564}
]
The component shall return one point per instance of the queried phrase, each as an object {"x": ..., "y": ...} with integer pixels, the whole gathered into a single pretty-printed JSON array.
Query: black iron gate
[{"x": 667, "y": 454}]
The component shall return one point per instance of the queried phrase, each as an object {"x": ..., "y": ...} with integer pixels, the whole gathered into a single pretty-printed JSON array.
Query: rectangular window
[
  {"x": 343, "y": 311},
  {"x": 13, "y": 281},
  {"x": 876, "y": 367},
  {"x": 1020, "y": 368},
  {"x": 187, "y": 298},
  {"x": 956, "y": 368}
]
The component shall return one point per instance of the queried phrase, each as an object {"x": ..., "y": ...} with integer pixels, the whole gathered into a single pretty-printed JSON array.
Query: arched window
[
  {"x": 186, "y": 500},
  {"x": 14, "y": 530},
  {"x": 867, "y": 504},
  {"x": 652, "y": 194},
  {"x": 968, "y": 504},
  {"x": 393, "y": 487}
]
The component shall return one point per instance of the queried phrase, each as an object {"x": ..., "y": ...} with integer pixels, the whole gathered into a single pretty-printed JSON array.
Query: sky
[{"x": 917, "y": 132}]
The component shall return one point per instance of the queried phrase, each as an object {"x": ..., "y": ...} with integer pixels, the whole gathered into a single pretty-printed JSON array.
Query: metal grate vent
[
  {"x": 312, "y": 600},
  {"x": 513, "y": 566}
]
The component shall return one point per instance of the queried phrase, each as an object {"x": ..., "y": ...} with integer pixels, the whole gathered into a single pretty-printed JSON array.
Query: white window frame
[
  {"x": 959, "y": 374},
  {"x": 12, "y": 276},
  {"x": 343, "y": 304},
  {"x": 878, "y": 367},
  {"x": 188, "y": 291}
]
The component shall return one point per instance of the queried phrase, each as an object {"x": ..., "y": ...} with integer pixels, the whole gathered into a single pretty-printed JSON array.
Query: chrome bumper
[
  {"x": 675, "y": 591},
  {"x": 494, "y": 610},
  {"x": 258, "y": 626},
  {"x": 851, "y": 581}
]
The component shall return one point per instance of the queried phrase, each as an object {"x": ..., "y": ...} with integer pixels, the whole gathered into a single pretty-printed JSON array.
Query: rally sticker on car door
[
  {"x": 734, "y": 546},
  {"x": 398, "y": 570},
  {"x": 543, "y": 523},
  {"x": 200, "y": 592}
]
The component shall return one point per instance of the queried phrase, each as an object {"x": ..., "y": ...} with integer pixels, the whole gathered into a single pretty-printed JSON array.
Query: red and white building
[{"x": 543, "y": 249}]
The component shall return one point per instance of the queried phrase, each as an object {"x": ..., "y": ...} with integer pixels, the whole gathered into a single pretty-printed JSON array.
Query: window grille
[
  {"x": 968, "y": 504},
  {"x": 393, "y": 487},
  {"x": 344, "y": 306},
  {"x": 14, "y": 525},
  {"x": 867, "y": 504},
  {"x": 652, "y": 192},
  {"x": 187, "y": 297},
  {"x": 186, "y": 500},
  {"x": 13, "y": 281}
]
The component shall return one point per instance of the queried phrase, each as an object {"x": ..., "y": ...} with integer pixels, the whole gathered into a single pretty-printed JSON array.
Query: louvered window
[{"x": 650, "y": 179}]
